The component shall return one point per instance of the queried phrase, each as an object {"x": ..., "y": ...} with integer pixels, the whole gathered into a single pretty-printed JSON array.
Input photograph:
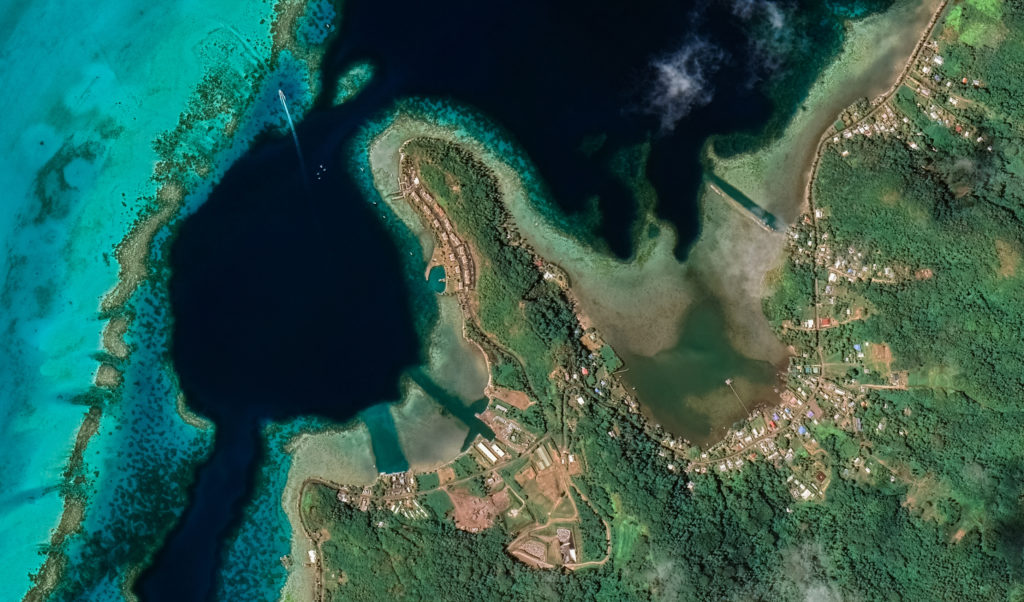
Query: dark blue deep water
[{"x": 291, "y": 299}]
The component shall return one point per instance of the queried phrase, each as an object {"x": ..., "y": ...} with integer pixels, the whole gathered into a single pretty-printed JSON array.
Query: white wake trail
[{"x": 295, "y": 137}]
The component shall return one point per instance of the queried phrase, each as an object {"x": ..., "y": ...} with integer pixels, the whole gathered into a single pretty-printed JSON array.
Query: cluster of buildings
[
  {"x": 805, "y": 491},
  {"x": 882, "y": 121},
  {"x": 938, "y": 96},
  {"x": 591, "y": 377},
  {"x": 784, "y": 435},
  {"x": 360, "y": 497},
  {"x": 454, "y": 254},
  {"x": 409, "y": 508},
  {"x": 396, "y": 492},
  {"x": 506, "y": 430},
  {"x": 490, "y": 452},
  {"x": 769, "y": 434},
  {"x": 849, "y": 264},
  {"x": 780, "y": 435}
]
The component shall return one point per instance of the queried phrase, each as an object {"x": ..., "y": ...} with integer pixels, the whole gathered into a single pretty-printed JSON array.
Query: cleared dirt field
[
  {"x": 516, "y": 399},
  {"x": 446, "y": 474},
  {"x": 473, "y": 513}
]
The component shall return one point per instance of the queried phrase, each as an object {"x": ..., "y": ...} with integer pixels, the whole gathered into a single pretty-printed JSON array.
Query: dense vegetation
[
  {"x": 952, "y": 212},
  {"x": 957, "y": 211},
  {"x": 731, "y": 538},
  {"x": 951, "y": 526},
  {"x": 529, "y": 316}
]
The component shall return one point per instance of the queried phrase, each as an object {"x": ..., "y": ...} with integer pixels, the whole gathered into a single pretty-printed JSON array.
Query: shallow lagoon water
[
  {"x": 684, "y": 388},
  {"x": 436, "y": 279}
]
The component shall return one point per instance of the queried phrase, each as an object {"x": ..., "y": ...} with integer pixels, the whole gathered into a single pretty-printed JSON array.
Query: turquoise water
[
  {"x": 317, "y": 22},
  {"x": 144, "y": 457},
  {"x": 263, "y": 532},
  {"x": 436, "y": 279},
  {"x": 352, "y": 82},
  {"x": 251, "y": 569},
  {"x": 78, "y": 163}
]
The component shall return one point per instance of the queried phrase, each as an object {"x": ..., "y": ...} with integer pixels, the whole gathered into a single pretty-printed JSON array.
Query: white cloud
[
  {"x": 746, "y": 9},
  {"x": 681, "y": 81}
]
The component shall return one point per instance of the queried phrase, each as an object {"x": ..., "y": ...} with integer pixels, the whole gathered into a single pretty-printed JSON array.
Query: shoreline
[
  {"x": 48, "y": 576},
  {"x": 873, "y": 53},
  {"x": 138, "y": 247},
  {"x": 876, "y": 102},
  {"x": 737, "y": 274},
  {"x": 823, "y": 142},
  {"x": 653, "y": 271},
  {"x": 404, "y": 125},
  {"x": 315, "y": 539},
  {"x": 385, "y": 152},
  {"x": 299, "y": 580},
  {"x": 190, "y": 417}
]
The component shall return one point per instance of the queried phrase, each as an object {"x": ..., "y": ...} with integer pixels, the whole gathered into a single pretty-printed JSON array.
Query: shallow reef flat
[
  {"x": 430, "y": 437},
  {"x": 733, "y": 256},
  {"x": 352, "y": 81},
  {"x": 454, "y": 362},
  {"x": 138, "y": 117},
  {"x": 124, "y": 90},
  {"x": 611, "y": 290},
  {"x": 79, "y": 153},
  {"x": 268, "y": 531}
]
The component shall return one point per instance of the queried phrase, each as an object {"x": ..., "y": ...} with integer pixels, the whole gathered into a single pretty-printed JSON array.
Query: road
[{"x": 823, "y": 142}]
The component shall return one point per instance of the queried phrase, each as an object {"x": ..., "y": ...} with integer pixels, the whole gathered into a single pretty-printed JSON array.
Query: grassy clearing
[
  {"x": 439, "y": 503},
  {"x": 626, "y": 532},
  {"x": 935, "y": 377}
]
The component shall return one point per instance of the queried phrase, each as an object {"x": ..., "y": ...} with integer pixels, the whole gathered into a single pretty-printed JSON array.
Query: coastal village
[
  {"x": 828, "y": 382},
  {"x": 522, "y": 479}
]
